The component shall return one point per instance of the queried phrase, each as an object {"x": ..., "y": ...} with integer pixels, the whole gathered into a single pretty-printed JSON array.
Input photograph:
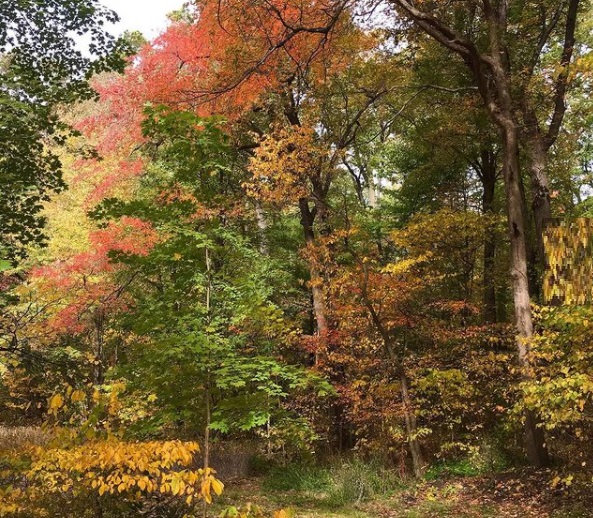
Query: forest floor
[{"x": 518, "y": 494}]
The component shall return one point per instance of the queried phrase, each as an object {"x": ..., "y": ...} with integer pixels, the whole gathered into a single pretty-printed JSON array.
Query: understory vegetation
[{"x": 324, "y": 258}]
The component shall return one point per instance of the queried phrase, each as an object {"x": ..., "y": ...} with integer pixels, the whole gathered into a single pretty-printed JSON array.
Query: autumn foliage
[{"x": 290, "y": 226}]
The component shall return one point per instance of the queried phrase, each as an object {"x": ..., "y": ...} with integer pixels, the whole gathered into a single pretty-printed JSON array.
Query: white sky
[{"x": 146, "y": 16}]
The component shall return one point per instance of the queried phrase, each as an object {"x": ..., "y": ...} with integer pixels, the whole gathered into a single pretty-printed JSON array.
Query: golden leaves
[
  {"x": 56, "y": 402},
  {"x": 114, "y": 467},
  {"x": 285, "y": 164}
]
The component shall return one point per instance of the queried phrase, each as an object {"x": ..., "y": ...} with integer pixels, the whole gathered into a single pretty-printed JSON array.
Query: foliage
[
  {"x": 284, "y": 227},
  {"x": 42, "y": 66},
  {"x": 99, "y": 470},
  {"x": 568, "y": 249}
]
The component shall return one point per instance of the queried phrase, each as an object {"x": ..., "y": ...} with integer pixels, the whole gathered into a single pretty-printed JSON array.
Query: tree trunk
[
  {"x": 540, "y": 192},
  {"x": 534, "y": 440},
  {"x": 206, "y": 446},
  {"x": 411, "y": 426},
  {"x": 493, "y": 75},
  {"x": 319, "y": 309},
  {"x": 488, "y": 176},
  {"x": 98, "y": 368},
  {"x": 397, "y": 362},
  {"x": 372, "y": 190},
  {"x": 262, "y": 225}
]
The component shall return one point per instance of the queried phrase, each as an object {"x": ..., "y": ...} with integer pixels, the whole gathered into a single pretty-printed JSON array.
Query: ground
[{"x": 519, "y": 494}]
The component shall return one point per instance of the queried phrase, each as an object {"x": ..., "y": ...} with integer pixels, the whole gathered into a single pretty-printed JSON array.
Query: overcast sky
[{"x": 147, "y": 16}]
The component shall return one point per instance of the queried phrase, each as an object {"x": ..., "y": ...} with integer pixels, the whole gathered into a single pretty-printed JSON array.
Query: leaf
[
  {"x": 217, "y": 486},
  {"x": 56, "y": 402}
]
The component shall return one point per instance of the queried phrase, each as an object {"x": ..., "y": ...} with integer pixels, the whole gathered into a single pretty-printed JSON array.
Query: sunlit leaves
[{"x": 134, "y": 468}]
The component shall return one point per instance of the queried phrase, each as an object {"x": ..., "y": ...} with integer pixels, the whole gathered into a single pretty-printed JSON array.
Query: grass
[
  {"x": 351, "y": 488},
  {"x": 13, "y": 438},
  {"x": 341, "y": 483}
]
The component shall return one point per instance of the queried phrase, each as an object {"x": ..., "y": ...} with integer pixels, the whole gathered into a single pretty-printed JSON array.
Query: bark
[
  {"x": 533, "y": 435},
  {"x": 488, "y": 177},
  {"x": 372, "y": 191},
  {"x": 319, "y": 308},
  {"x": 98, "y": 370},
  {"x": 418, "y": 464},
  {"x": 540, "y": 189},
  {"x": 501, "y": 108},
  {"x": 307, "y": 221},
  {"x": 207, "y": 410},
  {"x": 262, "y": 225},
  {"x": 537, "y": 139},
  {"x": 492, "y": 74},
  {"x": 206, "y": 446}
]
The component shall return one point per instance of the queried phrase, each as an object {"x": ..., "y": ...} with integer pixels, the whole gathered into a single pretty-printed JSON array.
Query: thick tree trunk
[
  {"x": 493, "y": 76},
  {"x": 534, "y": 440},
  {"x": 488, "y": 173},
  {"x": 319, "y": 308}
]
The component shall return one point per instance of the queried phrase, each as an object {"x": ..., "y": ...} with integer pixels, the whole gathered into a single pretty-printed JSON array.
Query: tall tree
[{"x": 504, "y": 49}]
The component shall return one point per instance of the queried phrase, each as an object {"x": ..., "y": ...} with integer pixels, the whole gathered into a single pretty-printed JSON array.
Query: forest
[{"x": 297, "y": 258}]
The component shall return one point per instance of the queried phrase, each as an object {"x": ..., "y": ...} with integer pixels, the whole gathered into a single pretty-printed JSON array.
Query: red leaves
[
  {"x": 128, "y": 235},
  {"x": 84, "y": 281}
]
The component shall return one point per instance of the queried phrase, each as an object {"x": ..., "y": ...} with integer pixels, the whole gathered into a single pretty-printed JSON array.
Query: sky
[{"x": 146, "y": 16}]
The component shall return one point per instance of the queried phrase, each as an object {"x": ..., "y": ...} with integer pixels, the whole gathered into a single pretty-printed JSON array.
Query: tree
[
  {"x": 503, "y": 51},
  {"x": 42, "y": 65}
]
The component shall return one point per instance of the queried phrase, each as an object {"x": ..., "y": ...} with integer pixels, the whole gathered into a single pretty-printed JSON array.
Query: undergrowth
[{"x": 339, "y": 483}]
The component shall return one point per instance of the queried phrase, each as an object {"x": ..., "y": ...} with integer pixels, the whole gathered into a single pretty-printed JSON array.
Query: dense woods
[{"x": 293, "y": 235}]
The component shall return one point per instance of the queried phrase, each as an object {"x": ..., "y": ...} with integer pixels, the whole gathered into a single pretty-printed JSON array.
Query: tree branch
[{"x": 562, "y": 81}]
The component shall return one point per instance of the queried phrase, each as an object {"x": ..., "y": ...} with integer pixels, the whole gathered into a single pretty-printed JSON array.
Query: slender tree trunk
[
  {"x": 319, "y": 307},
  {"x": 207, "y": 409},
  {"x": 307, "y": 221},
  {"x": 372, "y": 190},
  {"x": 488, "y": 174},
  {"x": 262, "y": 225},
  {"x": 206, "y": 446},
  {"x": 418, "y": 464},
  {"x": 98, "y": 368}
]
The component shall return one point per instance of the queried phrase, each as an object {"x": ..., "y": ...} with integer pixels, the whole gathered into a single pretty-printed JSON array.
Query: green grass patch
[
  {"x": 297, "y": 477},
  {"x": 340, "y": 483}
]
